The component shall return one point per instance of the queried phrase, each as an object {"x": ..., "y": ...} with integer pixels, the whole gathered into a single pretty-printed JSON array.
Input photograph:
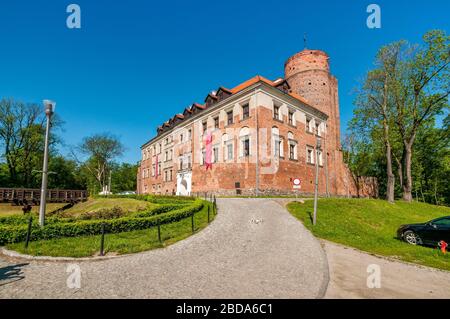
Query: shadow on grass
[
  {"x": 10, "y": 274},
  {"x": 311, "y": 218}
]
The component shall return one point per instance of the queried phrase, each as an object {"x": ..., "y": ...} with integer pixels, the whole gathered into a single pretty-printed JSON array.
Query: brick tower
[{"x": 308, "y": 74}]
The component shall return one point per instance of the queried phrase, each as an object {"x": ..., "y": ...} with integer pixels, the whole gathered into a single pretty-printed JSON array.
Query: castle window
[
  {"x": 276, "y": 112},
  {"x": 277, "y": 149},
  {"x": 245, "y": 111},
  {"x": 189, "y": 163},
  {"x": 245, "y": 146},
  {"x": 229, "y": 151},
  {"x": 244, "y": 136},
  {"x": 309, "y": 155},
  {"x": 189, "y": 134},
  {"x": 292, "y": 151},
  {"x": 291, "y": 118},
  {"x": 277, "y": 143},
  {"x": 229, "y": 117},
  {"x": 216, "y": 122},
  {"x": 308, "y": 125},
  {"x": 216, "y": 154},
  {"x": 227, "y": 147},
  {"x": 317, "y": 128},
  {"x": 292, "y": 146},
  {"x": 205, "y": 127}
]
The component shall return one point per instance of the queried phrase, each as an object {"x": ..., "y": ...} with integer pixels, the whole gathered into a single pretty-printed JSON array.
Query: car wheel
[{"x": 412, "y": 238}]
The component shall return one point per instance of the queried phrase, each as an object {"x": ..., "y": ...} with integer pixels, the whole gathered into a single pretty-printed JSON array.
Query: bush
[
  {"x": 12, "y": 233},
  {"x": 105, "y": 213}
]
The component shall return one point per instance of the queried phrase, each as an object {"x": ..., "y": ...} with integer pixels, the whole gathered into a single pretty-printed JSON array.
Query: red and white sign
[{"x": 296, "y": 183}]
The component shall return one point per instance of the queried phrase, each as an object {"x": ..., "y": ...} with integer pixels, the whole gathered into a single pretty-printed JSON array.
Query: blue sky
[{"x": 134, "y": 64}]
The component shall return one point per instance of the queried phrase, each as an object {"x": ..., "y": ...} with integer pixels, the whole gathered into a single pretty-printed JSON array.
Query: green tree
[
  {"x": 65, "y": 174},
  {"x": 123, "y": 178},
  {"x": 100, "y": 151},
  {"x": 420, "y": 85},
  {"x": 398, "y": 103},
  {"x": 22, "y": 138}
]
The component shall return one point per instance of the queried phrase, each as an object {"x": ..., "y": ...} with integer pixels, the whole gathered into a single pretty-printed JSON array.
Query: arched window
[
  {"x": 277, "y": 143},
  {"x": 292, "y": 146},
  {"x": 244, "y": 141},
  {"x": 227, "y": 144}
]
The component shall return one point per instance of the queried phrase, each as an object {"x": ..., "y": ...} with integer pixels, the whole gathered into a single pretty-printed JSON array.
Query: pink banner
[{"x": 208, "y": 159}]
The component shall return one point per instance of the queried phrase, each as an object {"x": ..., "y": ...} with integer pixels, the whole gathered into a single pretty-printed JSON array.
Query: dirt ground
[{"x": 349, "y": 275}]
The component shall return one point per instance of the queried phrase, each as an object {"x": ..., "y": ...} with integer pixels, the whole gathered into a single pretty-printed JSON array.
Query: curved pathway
[{"x": 253, "y": 249}]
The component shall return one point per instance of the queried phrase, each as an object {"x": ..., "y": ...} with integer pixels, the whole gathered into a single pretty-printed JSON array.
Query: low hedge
[
  {"x": 23, "y": 219},
  {"x": 13, "y": 233},
  {"x": 156, "y": 199}
]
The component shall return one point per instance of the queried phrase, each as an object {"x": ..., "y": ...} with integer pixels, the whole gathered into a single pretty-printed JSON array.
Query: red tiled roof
[{"x": 235, "y": 90}]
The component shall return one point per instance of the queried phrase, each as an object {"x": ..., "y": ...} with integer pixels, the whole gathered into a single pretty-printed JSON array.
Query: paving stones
[{"x": 273, "y": 256}]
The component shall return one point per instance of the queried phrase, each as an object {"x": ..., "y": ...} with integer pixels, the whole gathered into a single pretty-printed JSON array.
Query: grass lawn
[
  {"x": 122, "y": 243},
  {"x": 9, "y": 210},
  {"x": 371, "y": 225},
  {"x": 95, "y": 204}
]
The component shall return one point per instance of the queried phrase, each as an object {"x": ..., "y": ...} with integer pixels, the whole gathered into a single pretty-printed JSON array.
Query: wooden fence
[{"x": 21, "y": 196}]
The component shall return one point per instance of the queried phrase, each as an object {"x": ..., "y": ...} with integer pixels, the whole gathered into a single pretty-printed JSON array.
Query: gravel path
[
  {"x": 348, "y": 270},
  {"x": 254, "y": 249}
]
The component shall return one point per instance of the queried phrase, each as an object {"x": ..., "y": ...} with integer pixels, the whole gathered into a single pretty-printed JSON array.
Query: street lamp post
[
  {"x": 316, "y": 190},
  {"x": 49, "y": 108}
]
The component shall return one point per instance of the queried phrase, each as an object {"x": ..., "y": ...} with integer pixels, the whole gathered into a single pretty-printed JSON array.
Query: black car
[{"x": 428, "y": 234}]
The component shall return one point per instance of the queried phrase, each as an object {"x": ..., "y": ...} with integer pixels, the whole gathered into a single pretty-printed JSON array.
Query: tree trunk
[
  {"x": 390, "y": 187},
  {"x": 390, "y": 176},
  {"x": 400, "y": 174},
  {"x": 407, "y": 176}
]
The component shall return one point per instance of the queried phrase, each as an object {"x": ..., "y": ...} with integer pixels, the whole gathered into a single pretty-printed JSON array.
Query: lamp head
[{"x": 49, "y": 107}]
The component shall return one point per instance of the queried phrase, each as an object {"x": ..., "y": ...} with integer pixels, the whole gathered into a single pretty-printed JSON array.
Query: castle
[{"x": 255, "y": 139}]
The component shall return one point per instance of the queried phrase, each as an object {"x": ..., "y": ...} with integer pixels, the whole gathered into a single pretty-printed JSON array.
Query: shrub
[{"x": 105, "y": 213}]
